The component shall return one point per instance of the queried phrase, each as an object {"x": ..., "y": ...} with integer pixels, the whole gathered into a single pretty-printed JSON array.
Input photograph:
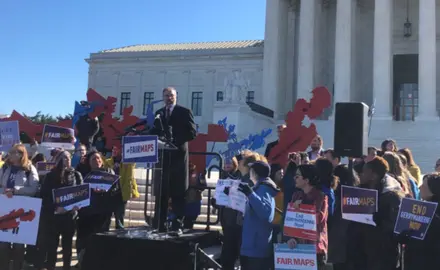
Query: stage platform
[{"x": 140, "y": 248}]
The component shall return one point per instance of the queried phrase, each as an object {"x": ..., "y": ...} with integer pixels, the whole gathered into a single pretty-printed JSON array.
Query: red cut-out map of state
[
  {"x": 113, "y": 127},
  {"x": 296, "y": 137}
]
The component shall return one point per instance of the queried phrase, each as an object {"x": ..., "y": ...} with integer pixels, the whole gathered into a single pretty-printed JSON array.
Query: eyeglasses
[{"x": 15, "y": 153}]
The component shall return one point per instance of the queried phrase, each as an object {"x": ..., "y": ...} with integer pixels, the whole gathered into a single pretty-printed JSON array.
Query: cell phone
[{"x": 293, "y": 156}]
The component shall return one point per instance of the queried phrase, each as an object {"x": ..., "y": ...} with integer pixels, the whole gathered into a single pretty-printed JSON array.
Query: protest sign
[
  {"x": 139, "y": 149},
  {"x": 101, "y": 180},
  {"x": 237, "y": 198},
  {"x": 302, "y": 257},
  {"x": 70, "y": 197},
  {"x": 301, "y": 222},
  {"x": 45, "y": 167},
  {"x": 61, "y": 137},
  {"x": 9, "y": 135},
  {"x": 220, "y": 197},
  {"x": 19, "y": 219},
  {"x": 359, "y": 204},
  {"x": 415, "y": 216}
]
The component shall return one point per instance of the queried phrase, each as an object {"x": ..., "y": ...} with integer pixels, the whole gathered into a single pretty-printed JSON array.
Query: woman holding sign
[
  {"x": 17, "y": 177},
  {"x": 56, "y": 220},
  {"x": 306, "y": 179},
  {"x": 97, "y": 217}
]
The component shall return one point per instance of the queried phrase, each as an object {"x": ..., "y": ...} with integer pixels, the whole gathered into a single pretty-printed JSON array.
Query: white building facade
[{"x": 382, "y": 51}]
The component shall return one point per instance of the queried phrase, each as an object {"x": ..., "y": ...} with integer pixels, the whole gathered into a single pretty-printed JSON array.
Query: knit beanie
[
  {"x": 60, "y": 156},
  {"x": 262, "y": 169}
]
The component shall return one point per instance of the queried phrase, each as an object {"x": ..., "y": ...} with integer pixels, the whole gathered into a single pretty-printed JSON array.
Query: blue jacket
[
  {"x": 330, "y": 193},
  {"x": 257, "y": 223},
  {"x": 415, "y": 189}
]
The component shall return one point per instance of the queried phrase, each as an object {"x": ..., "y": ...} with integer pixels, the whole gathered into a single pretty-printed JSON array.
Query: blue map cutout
[{"x": 234, "y": 146}]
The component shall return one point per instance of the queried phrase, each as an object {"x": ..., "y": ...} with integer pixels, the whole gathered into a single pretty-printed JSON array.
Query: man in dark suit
[
  {"x": 179, "y": 129},
  {"x": 274, "y": 143}
]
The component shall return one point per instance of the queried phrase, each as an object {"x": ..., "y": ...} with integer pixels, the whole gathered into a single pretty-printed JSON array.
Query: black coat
[
  {"x": 176, "y": 164},
  {"x": 52, "y": 182},
  {"x": 425, "y": 254},
  {"x": 269, "y": 148}
]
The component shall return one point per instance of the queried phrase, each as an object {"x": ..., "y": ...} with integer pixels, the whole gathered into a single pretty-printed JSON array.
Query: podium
[{"x": 161, "y": 185}]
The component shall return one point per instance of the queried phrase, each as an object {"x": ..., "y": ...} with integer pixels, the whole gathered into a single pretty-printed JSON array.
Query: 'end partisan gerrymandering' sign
[{"x": 139, "y": 149}]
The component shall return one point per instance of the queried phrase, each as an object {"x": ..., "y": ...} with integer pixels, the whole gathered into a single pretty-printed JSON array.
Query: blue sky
[{"x": 44, "y": 42}]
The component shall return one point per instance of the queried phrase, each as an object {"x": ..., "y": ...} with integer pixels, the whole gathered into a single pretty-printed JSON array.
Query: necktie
[{"x": 168, "y": 113}]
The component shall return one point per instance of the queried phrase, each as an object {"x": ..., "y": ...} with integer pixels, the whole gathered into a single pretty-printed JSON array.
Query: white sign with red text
[
  {"x": 301, "y": 222},
  {"x": 302, "y": 257}
]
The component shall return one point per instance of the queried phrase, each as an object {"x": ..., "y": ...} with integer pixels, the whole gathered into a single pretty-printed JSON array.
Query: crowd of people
[
  {"x": 312, "y": 178},
  {"x": 315, "y": 178},
  {"x": 19, "y": 177}
]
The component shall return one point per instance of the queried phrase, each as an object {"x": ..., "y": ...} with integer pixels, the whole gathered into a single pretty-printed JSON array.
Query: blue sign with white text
[
  {"x": 140, "y": 149},
  {"x": 9, "y": 135},
  {"x": 69, "y": 197}
]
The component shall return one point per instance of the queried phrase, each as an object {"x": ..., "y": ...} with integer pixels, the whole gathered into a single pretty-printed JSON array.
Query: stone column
[
  {"x": 383, "y": 59},
  {"x": 306, "y": 59},
  {"x": 274, "y": 62},
  {"x": 343, "y": 50},
  {"x": 427, "y": 61}
]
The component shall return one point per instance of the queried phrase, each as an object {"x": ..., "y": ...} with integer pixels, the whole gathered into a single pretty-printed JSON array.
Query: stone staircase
[{"x": 134, "y": 213}]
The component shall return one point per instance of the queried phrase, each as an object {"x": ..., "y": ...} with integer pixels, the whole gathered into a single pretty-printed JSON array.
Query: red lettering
[
  {"x": 311, "y": 262},
  {"x": 279, "y": 260},
  {"x": 289, "y": 261},
  {"x": 297, "y": 261},
  {"x": 150, "y": 147}
]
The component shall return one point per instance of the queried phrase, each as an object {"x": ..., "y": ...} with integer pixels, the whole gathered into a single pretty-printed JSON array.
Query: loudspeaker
[{"x": 351, "y": 129}]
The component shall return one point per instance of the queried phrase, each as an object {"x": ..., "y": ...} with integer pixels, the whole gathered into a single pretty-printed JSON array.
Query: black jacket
[
  {"x": 376, "y": 247},
  {"x": 425, "y": 254},
  {"x": 183, "y": 129},
  {"x": 51, "y": 182}
]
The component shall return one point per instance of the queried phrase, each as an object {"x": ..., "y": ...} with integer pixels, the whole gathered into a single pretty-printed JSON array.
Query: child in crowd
[
  {"x": 193, "y": 197},
  {"x": 256, "y": 247}
]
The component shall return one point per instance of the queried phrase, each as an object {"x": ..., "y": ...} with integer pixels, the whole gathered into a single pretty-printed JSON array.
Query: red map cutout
[
  {"x": 113, "y": 127},
  {"x": 296, "y": 137},
  {"x": 9, "y": 221}
]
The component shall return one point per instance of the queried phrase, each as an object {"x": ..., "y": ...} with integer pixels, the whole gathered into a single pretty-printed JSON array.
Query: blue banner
[
  {"x": 415, "y": 217},
  {"x": 54, "y": 136},
  {"x": 101, "y": 180},
  {"x": 9, "y": 135},
  {"x": 45, "y": 167},
  {"x": 69, "y": 197},
  {"x": 139, "y": 149}
]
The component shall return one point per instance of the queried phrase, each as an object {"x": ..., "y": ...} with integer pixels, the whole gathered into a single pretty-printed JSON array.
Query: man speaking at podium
[{"x": 177, "y": 124}]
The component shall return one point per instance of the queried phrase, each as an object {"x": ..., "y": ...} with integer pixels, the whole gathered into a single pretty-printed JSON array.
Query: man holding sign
[{"x": 380, "y": 249}]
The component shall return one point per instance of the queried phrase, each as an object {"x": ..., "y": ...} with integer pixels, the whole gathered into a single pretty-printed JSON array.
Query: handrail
[{"x": 208, "y": 222}]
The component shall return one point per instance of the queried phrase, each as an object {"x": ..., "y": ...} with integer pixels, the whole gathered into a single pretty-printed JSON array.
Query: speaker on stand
[{"x": 351, "y": 130}]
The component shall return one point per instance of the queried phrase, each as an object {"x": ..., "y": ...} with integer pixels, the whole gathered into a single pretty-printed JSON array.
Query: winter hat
[
  {"x": 262, "y": 169},
  {"x": 60, "y": 156}
]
